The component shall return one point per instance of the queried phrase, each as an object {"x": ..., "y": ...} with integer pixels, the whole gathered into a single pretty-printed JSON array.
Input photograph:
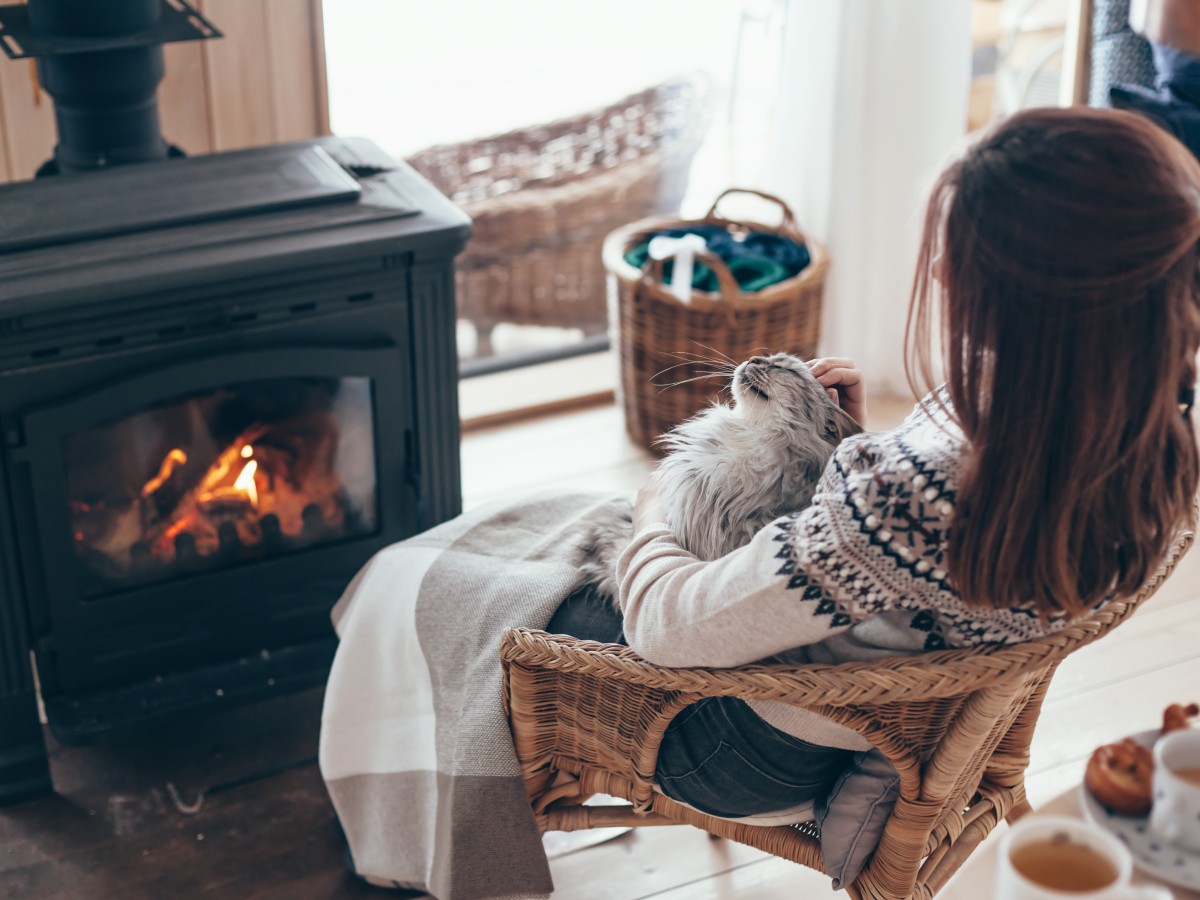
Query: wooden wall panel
[
  {"x": 262, "y": 83},
  {"x": 183, "y": 106},
  {"x": 239, "y": 74},
  {"x": 293, "y": 43},
  {"x": 29, "y": 134},
  {"x": 5, "y": 170}
]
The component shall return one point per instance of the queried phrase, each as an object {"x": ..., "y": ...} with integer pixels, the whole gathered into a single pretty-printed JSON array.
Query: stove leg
[{"x": 24, "y": 770}]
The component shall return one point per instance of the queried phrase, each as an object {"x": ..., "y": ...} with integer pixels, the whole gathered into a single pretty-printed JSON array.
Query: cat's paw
[
  {"x": 607, "y": 590},
  {"x": 603, "y": 580}
]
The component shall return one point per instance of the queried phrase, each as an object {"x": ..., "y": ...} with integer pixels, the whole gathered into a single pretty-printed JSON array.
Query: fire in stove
[
  {"x": 227, "y": 506},
  {"x": 276, "y": 486}
]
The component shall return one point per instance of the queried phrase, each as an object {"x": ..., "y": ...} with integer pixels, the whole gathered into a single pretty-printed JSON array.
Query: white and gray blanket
[{"x": 415, "y": 748}]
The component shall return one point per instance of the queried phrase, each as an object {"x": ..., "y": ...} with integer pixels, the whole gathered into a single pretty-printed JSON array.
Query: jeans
[{"x": 718, "y": 755}]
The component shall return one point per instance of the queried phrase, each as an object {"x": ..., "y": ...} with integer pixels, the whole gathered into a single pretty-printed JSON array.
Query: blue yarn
[{"x": 756, "y": 261}]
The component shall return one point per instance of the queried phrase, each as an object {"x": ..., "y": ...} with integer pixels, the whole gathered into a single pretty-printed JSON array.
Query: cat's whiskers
[
  {"x": 692, "y": 359},
  {"x": 720, "y": 369},
  {"x": 693, "y": 362},
  {"x": 694, "y": 377},
  {"x": 724, "y": 356},
  {"x": 663, "y": 387}
]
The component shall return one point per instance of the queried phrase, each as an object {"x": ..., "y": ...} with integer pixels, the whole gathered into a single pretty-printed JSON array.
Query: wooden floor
[{"x": 114, "y": 830}]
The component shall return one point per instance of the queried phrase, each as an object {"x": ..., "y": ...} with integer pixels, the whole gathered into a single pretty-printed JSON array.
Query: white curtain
[{"x": 872, "y": 105}]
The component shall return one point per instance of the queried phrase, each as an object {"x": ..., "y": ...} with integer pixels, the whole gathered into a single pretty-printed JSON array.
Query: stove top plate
[{"x": 152, "y": 196}]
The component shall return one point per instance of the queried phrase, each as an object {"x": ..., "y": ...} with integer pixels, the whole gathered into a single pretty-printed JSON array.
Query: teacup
[
  {"x": 1175, "y": 816},
  {"x": 1053, "y": 857}
]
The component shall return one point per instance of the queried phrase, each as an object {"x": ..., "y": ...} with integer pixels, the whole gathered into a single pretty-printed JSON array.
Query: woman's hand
[
  {"x": 648, "y": 508},
  {"x": 844, "y": 384}
]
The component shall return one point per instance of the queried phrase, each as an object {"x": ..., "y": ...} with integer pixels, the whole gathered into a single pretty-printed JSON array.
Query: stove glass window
[{"x": 245, "y": 472}]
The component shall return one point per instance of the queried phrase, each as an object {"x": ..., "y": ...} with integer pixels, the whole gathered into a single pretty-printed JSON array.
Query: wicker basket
[
  {"x": 543, "y": 199},
  {"x": 654, "y": 330}
]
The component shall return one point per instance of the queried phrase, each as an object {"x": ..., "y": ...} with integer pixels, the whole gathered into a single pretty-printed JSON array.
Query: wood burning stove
[{"x": 224, "y": 383}]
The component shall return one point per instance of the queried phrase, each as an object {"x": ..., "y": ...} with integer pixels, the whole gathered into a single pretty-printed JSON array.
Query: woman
[{"x": 1049, "y": 474}]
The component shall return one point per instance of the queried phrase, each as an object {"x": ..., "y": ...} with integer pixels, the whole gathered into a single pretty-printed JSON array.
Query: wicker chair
[{"x": 956, "y": 724}]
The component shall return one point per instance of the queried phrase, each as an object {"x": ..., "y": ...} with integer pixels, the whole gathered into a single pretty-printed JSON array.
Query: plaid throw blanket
[{"x": 415, "y": 749}]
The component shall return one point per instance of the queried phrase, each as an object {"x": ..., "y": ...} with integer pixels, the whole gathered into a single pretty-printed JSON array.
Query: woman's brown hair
[{"x": 1059, "y": 261}]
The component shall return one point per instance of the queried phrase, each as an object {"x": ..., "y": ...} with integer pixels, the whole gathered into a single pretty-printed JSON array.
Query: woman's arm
[{"x": 776, "y": 593}]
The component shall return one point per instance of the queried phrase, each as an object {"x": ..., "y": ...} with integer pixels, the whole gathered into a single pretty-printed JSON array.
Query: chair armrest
[
  {"x": 927, "y": 676},
  {"x": 939, "y": 675}
]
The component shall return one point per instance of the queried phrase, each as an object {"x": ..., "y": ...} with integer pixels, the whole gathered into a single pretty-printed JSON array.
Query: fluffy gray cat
[{"x": 733, "y": 468}]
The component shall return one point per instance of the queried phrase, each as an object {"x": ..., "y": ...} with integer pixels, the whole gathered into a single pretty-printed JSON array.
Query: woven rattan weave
[
  {"x": 655, "y": 331},
  {"x": 956, "y": 724}
]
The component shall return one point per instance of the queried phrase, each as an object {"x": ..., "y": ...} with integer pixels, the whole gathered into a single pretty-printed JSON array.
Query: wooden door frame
[
  {"x": 1077, "y": 55},
  {"x": 320, "y": 65}
]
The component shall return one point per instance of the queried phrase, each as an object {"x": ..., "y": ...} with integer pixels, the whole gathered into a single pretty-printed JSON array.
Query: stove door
[{"x": 215, "y": 508}]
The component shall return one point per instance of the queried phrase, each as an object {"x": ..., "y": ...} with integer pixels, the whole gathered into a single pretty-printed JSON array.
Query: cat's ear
[{"x": 839, "y": 425}]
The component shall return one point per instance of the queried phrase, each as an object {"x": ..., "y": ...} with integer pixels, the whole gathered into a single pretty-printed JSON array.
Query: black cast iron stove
[{"x": 225, "y": 381}]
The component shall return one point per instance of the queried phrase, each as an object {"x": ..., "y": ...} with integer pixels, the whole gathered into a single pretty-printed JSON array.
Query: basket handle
[
  {"x": 730, "y": 289},
  {"x": 789, "y": 217}
]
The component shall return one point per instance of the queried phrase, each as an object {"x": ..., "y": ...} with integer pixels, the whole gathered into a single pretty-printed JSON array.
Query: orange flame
[
  {"x": 173, "y": 459},
  {"x": 245, "y": 481}
]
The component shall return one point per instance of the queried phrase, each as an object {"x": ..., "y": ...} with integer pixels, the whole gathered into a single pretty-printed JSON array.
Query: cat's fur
[{"x": 733, "y": 468}]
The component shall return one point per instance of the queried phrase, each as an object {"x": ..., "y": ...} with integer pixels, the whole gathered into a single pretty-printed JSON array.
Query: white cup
[
  {"x": 1175, "y": 816},
  {"x": 1012, "y": 885}
]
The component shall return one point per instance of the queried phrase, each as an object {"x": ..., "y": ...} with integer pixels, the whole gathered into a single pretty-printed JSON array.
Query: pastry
[
  {"x": 1176, "y": 716},
  {"x": 1119, "y": 776}
]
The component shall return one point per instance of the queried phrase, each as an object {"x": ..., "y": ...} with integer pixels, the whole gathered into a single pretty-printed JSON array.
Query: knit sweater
[{"x": 859, "y": 574}]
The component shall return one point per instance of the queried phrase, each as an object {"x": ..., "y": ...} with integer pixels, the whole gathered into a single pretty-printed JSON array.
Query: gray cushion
[{"x": 852, "y": 817}]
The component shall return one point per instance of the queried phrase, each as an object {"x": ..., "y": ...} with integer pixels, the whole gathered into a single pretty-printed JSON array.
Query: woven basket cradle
[
  {"x": 655, "y": 331},
  {"x": 543, "y": 198}
]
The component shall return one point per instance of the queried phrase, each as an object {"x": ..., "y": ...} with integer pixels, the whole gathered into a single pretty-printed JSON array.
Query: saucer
[{"x": 1151, "y": 853}]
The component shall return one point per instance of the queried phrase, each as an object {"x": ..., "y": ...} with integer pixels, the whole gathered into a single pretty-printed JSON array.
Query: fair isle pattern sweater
[{"x": 860, "y": 574}]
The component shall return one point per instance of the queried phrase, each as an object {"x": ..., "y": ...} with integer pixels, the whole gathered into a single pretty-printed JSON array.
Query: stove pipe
[{"x": 105, "y": 102}]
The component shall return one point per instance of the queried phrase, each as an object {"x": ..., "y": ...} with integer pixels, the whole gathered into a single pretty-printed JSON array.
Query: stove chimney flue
[
  {"x": 105, "y": 101},
  {"x": 101, "y": 62}
]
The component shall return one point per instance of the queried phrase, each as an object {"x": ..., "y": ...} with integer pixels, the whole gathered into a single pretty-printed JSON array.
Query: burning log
[
  {"x": 229, "y": 542},
  {"x": 164, "y": 490},
  {"x": 272, "y": 535},
  {"x": 185, "y": 548},
  {"x": 225, "y": 503},
  {"x": 211, "y": 503}
]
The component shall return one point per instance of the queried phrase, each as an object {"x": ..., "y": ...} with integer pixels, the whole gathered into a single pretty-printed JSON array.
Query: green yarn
[{"x": 751, "y": 273}]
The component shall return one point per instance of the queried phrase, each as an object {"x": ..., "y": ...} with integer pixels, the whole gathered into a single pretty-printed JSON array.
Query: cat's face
[
  {"x": 780, "y": 388},
  {"x": 776, "y": 385}
]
